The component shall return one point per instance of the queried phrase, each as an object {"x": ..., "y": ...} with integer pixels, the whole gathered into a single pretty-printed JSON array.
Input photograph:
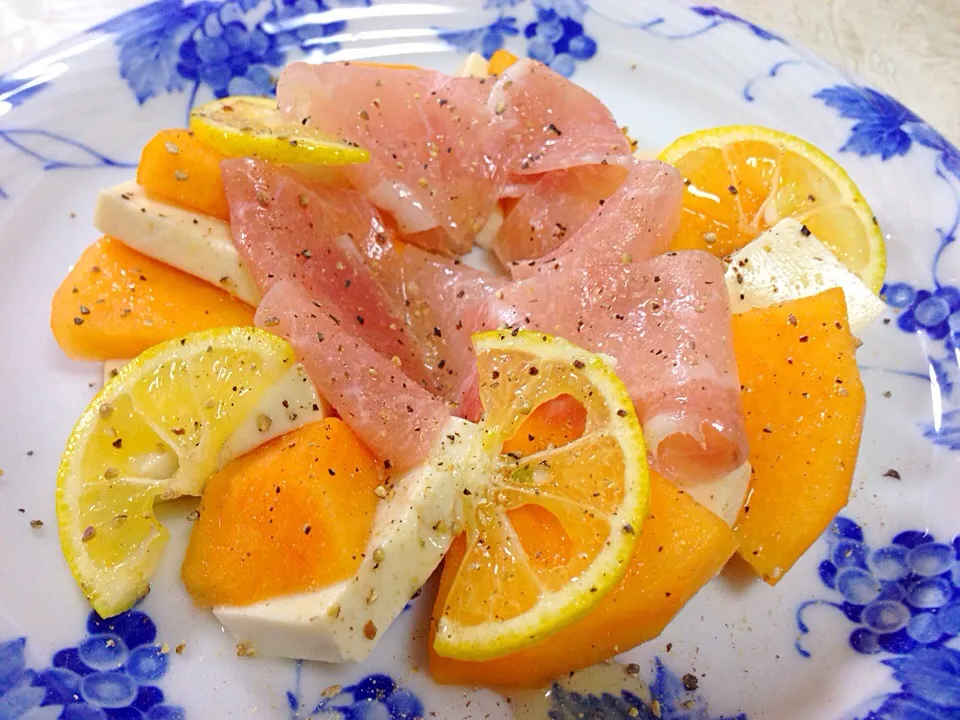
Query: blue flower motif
[
  {"x": 563, "y": 9},
  {"x": 935, "y": 313},
  {"x": 945, "y": 433},
  {"x": 678, "y": 703},
  {"x": 557, "y": 37},
  {"x": 570, "y": 705},
  {"x": 302, "y": 23},
  {"x": 948, "y": 154},
  {"x": 905, "y": 600},
  {"x": 109, "y": 674},
  {"x": 885, "y": 127},
  {"x": 375, "y": 697},
  {"x": 722, "y": 15},
  {"x": 14, "y": 91},
  {"x": 931, "y": 675},
  {"x": 670, "y": 700},
  {"x": 17, "y": 694},
  {"x": 901, "y": 596},
  {"x": 228, "y": 56},
  {"x": 880, "y": 120},
  {"x": 148, "y": 39},
  {"x": 168, "y": 44},
  {"x": 486, "y": 39}
]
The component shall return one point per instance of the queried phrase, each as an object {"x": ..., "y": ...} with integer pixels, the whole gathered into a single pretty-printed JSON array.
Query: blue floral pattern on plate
[
  {"x": 886, "y": 129},
  {"x": 166, "y": 45},
  {"x": 375, "y": 697},
  {"x": 556, "y": 35},
  {"x": 904, "y": 600},
  {"x": 54, "y": 151},
  {"x": 670, "y": 699},
  {"x": 110, "y": 674}
]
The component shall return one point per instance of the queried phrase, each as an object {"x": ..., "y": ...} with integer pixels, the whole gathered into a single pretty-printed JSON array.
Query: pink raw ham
[
  {"x": 395, "y": 417},
  {"x": 441, "y": 301},
  {"x": 667, "y": 323},
  {"x": 554, "y": 209},
  {"x": 433, "y": 158},
  {"x": 636, "y": 223},
  {"x": 286, "y": 229},
  {"x": 553, "y": 123}
]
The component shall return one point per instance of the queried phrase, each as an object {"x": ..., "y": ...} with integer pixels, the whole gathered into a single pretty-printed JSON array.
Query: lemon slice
[
  {"x": 153, "y": 433},
  {"x": 591, "y": 495},
  {"x": 244, "y": 126},
  {"x": 743, "y": 179}
]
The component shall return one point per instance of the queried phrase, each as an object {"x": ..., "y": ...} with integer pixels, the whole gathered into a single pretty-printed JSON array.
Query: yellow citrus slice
[
  {"x": 587, "y": 499},
  {"x": 244, "y": 126},
  {"x": 742, "y": 179},
  {"x": 154, "y": 433}
]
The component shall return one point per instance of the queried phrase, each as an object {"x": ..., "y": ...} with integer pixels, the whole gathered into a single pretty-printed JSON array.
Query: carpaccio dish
[{"x": 490, "y": 337}]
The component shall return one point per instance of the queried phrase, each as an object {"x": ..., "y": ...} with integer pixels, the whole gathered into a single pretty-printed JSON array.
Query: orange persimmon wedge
[
  {"x": 804, "y": 404},
  {"x": 682, "y": 546},
  {"x": 500, "y": 61},
  {"x": 177, "y": 168},
  {"x": 115, "y": 303},
  {"x": 293, "y": 515}
]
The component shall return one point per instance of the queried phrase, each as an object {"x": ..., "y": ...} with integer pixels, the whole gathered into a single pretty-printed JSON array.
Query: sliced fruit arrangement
[
  {"x": 682, "y": 547},
  {"x": 291, "y": 516},
  {"x": 804, "y": 405},
  {"x": 412, "y": 529},
  {"x": 116, "y": 303},
  {"x": 154, "y": 432},
  {"x": 473, "y": 480},
  {"x": 561, "y": 547},
  {"x": 594, "y": 489},
  {"x": 743, "y": 179}
]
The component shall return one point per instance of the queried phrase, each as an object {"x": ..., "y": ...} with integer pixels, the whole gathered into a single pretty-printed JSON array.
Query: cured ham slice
[
  {"x": 553, "y": 209},
  {"x": 552, "y": 123},
  {"x": 444, "y": 149},
  {"x": 441, "y": 301},
  {"x": 286, "y": 229},
  {"x": 636, "y": 223},
  {"x": 433, "y": 155},
  {"x": 397, "y": 419},
  {"x": 667, "y": 323}
]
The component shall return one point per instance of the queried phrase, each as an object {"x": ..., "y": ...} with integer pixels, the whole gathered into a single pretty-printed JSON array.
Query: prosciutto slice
[
  {"x": 554, "y": 209},
  {"x": 433, "y": 155},
  {"x": 552, "y": 123},
  {"x": 286, "y": 229},
  {"x": 441, "y": 301},
  {"x": 636, "y": 223},
  {"x": 444, "y": 149},
  {"x": 667, "y": 323},
  {"x": 395, "y": 417}
]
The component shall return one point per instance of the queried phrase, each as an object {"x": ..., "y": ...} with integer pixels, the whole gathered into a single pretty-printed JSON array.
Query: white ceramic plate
[{"x": 865, "y": 626}]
